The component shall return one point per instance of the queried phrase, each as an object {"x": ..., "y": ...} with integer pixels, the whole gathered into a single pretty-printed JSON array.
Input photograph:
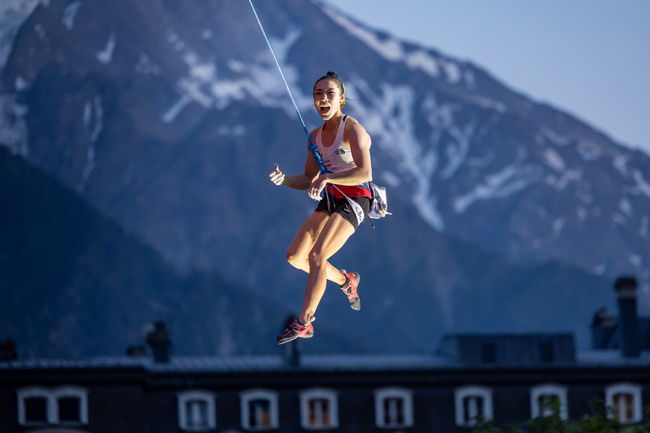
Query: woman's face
[{"x": 328, "y": 98}]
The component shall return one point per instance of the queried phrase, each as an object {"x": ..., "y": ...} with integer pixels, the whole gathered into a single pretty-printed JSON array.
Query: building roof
[
  {"x": 247, "y": 363},
  {"x": 309, "y": 362}
]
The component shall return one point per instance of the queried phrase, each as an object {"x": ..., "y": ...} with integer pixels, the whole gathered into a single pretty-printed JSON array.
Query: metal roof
[
  {"x": 249, "y": 363},
  {"x": 313, "y": 362}
]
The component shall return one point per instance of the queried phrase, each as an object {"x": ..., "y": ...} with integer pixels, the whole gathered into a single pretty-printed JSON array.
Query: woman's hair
[{"x": 332, "y": 76}]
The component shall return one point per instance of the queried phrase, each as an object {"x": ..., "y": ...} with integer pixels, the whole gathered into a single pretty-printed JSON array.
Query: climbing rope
[{"x": 312, "y": 146}]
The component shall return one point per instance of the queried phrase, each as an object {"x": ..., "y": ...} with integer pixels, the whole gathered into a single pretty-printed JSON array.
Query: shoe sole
[
  {"x": 286, "y": 340},
  {"x": 295, "y": 337},
  {"x": 289, "y": 339}
]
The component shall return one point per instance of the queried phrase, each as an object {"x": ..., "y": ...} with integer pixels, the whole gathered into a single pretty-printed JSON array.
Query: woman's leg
[
  {"x": 303, "y": 243},
  {"x": 332, "y": 237}
]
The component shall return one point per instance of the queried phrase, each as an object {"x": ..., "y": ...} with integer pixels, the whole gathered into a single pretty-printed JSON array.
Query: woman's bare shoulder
[{"x": 352, "y": 125}]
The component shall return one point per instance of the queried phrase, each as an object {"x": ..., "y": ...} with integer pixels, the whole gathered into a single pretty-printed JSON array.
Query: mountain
[
  {"x": 168, "y": 117},
  {"x": 74, "y": 284}
]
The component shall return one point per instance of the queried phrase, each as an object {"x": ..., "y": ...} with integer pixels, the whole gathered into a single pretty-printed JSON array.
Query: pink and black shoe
[
  {"x": 350, "y": 289},
  {"x": 296, "y": 330}
]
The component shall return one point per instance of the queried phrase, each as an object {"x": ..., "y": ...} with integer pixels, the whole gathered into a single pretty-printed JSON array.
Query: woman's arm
[
  {"x": 359, "y": 140},
  {"x": 299, "y": 181}
]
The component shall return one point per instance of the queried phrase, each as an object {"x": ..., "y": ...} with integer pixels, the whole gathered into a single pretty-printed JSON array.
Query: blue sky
[{"x": 590, "y": 58}]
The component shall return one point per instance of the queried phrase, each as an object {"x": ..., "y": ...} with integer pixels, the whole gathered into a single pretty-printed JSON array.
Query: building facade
[{"x": 325, "y": 393}]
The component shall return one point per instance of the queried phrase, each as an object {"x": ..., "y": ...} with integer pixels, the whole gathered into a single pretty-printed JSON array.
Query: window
[
  {"x": 33, "y": 406},
  {"x": 623, "y": 401},
  {"x": 196, "y": 411},
  {"x": 318, "y": 409},
  {"x": 393, "y": 408},
  {"x": 69, "y": 409},
  {"x": 259, "y": 410},
  {"x": 64, "y": 405},
  {"x": 35, "y": 410},
  {"x": 71, "y": 405},
  {"x": 472, "y": 402},
  {"x": 541, "y": 395}
]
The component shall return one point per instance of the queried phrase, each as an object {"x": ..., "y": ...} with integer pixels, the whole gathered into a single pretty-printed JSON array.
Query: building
[{"x": 506, "y": 378}]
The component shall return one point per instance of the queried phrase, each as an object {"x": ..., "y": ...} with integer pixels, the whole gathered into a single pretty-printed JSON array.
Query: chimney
[
  {"x": 8, "y": 350},
  {"x": 160, "y": 342},
  {"x": 292, "y": 353},
  {"x": 628, "y": 321}
]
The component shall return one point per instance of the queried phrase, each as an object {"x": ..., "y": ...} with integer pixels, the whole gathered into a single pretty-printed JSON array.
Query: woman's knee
[
  {"x": 316, "y": 259},
  {"x": 296, "y": 260}
]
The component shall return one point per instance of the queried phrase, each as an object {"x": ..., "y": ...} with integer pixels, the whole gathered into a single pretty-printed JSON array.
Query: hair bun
[{"x": 331, "y": 74}]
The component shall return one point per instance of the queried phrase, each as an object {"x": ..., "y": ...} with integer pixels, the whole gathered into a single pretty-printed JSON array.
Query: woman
[{"x": 344, "y": 146}]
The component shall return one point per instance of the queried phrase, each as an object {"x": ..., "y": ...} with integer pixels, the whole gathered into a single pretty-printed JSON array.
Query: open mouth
[{"x": 324, "y": 109}]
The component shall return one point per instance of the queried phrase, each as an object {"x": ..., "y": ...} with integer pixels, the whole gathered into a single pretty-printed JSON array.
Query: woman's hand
[
  {"x": 276, "y": 176},
  {"x": 317, "y": 187}
]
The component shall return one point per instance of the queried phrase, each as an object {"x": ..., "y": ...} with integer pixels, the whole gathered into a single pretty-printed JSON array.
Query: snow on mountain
[
  {"x": 106, "y": 55},
  {"x": 393, "y": 50},
  {"x": 93, "y": 119},
  {"x": 414, "y": 162},
  {"x": 13, "y": 132},
  {"x": 204, "y": 84},
  {"x": 12, "y": 15},
  {"x": 70, "y": 14},
  {"x": 508, "y": 181}
]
